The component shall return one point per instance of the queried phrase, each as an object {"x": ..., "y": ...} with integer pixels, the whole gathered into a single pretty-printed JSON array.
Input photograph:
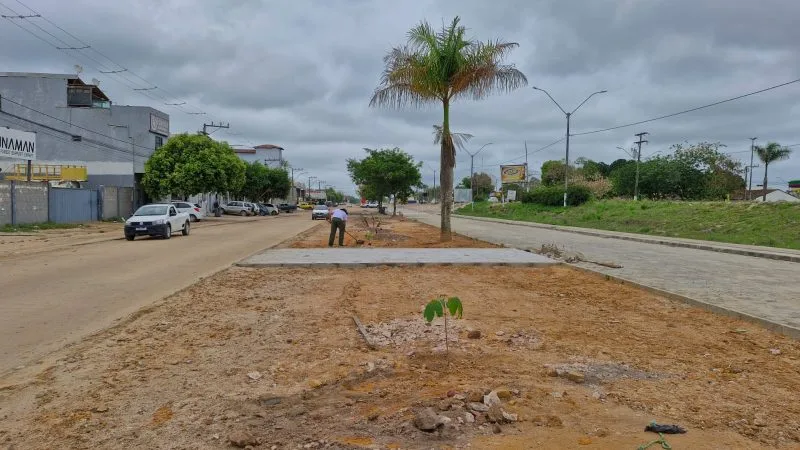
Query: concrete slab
[{"x": 362, "y": 257}]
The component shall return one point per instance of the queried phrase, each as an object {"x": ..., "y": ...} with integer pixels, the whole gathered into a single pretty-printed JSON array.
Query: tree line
[{"x": 191, "y": 164}]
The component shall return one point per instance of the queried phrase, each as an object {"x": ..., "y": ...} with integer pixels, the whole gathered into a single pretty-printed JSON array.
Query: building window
[
  {"x": 79, "y": 96},
  {"x": 159, "y": 142}
]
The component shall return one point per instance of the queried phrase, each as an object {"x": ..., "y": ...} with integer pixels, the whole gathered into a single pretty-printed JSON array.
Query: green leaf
[
  {"x": 433, "y": 310},
  {"x": 455, "y": 307}
]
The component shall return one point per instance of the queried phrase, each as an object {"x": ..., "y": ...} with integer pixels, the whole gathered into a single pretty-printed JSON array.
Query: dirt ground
[
  {"x": 15, "y": 244},
  {"x": 272, "y": 358},
  {"x": 383, "y": 231},
  {"x": 266, "y": 357}
]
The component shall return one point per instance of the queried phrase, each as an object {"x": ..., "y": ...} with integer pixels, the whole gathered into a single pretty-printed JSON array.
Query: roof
[
  {"x": 268, "y": 147},
  {"x": 244, "y": 150},
  {"x": 38, "y": 75},
  {"x": 742, "y": 195}
]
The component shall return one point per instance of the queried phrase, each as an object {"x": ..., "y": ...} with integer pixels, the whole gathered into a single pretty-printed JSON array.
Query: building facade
[
  {"x": 77, "y": 124},
  {"x": 268, "y": 154}
]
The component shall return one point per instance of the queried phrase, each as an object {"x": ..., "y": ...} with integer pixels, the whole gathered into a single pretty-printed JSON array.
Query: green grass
[
  {"x": 770, "y": 224},
  {"x": 38, "y": 227}
]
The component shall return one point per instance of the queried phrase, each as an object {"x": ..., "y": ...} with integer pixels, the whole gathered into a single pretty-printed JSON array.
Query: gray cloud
[{"x": 301, "y": 74}]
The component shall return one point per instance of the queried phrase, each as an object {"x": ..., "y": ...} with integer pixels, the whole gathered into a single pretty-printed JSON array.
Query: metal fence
[{"x": 24, "y": 202}]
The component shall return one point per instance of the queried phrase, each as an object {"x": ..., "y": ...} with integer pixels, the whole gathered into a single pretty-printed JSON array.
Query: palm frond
[
  {"x": 459, "y": 139},
  {"x": 484, "y": 72},
  {"x": 773, "y": 152}
]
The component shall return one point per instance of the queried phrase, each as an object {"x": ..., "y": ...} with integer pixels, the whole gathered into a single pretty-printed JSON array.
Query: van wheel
[{"x": 242, "y": 213}]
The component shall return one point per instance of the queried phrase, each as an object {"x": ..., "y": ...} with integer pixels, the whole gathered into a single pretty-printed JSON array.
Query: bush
[{"x": 554, "y": 195}]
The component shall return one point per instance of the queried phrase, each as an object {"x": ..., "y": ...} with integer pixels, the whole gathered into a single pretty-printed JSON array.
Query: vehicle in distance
[
  {"x": 156, "y": 220},
  {"x": 194, "y": 210},
  {"x": 319, "y": 212},
  {"x": 237, "y": 208},
  {"x": 372, "y": 204},
  {"x": 305, "y": 206},
  {"x": 287, "y": 207},
  {"x": 267, "y": 209}
]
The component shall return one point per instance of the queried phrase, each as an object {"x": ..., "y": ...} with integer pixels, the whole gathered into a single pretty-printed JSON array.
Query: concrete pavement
[
  {"x": 48, "y": 300},
  {"x": 364, "y": 257},
  {"x": 762, "y": 288}
]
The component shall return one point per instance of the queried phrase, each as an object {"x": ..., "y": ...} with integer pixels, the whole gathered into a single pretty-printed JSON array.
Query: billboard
[
  {"x": 17, "y": 144},
  {"x": 462, "y": 195},
  {"x": 513, "y": 174}
]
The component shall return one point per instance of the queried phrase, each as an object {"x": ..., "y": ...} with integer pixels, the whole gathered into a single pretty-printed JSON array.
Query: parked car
[
  {"x": 305, "y": 206},
  {"x": 254, "y": 209},
  {"x": 372, "y": 205},
  {"x": 287, "y": 207},
  {"x": 320, "y": 212},
  {"x": 268, "y": 209},
  {"x": 193, "y": 209},
  {"x": 237, "y": 208},
  {"x": 156, "y": 220}
]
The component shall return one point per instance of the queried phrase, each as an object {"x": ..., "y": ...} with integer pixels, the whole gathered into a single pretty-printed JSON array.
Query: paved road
[
  {"x": 760, "y": 287},
  {"x": 50, "y": 299}
]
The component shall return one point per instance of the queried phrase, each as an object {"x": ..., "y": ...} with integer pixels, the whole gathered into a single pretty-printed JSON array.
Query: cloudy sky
[{"x": 300, "y": 74}]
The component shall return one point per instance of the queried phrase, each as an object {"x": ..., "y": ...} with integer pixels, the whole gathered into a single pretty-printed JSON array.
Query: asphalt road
[{"x": 49, "y": 299}]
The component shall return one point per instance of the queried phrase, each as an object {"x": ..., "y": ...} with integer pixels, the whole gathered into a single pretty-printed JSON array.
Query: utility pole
[
  {"x": 294, "y": 189},
  {"x": 472, "y": 173},
  {"x": 433, "y": 193},
  {"x": 213, "y": 125},
  {"x": 568, "y": 115},
  {"x": 308, "y": 187},
  {"x": 638, "y": 160},
  {"x": 752, "y": 151}
]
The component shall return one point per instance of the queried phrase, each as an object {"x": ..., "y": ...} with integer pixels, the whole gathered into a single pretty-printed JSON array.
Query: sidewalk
[{"x": 781, "y": 254}]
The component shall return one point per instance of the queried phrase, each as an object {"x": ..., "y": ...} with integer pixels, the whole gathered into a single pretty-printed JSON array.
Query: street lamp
[
  {"x": 568, "y": 115},
  {"x": 472, "y": 172}
]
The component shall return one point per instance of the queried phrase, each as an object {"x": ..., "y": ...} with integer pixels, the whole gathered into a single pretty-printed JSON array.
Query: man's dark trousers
[{"x": 336, "y": 224}]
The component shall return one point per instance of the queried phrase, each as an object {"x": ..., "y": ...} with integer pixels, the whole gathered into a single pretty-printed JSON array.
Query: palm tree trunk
[
  {"x": 447, "y": 162},
  {"x": 394, "y": 206},
  {"x": 766, "y": 166}
]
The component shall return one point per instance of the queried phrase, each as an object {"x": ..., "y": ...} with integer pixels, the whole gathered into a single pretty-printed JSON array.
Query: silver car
[
  {"x": 237, "y": 208},
  {"x": 320, "y": 212}
]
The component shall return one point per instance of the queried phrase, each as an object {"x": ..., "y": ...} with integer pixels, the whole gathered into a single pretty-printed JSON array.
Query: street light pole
[
  {"x": 568, "y": 115},
  {"x": 752, "y": 150},
  {"x": 472, "y": 173}
]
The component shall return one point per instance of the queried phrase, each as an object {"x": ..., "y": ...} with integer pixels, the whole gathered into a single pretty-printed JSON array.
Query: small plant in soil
[{"x": 439, "y": 307}]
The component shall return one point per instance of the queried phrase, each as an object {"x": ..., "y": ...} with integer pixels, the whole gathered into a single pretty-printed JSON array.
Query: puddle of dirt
[{"x": 267, "y": 356}]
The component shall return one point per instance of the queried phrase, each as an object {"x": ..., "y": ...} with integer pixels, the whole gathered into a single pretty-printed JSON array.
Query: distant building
[
  {"x": 757, "y": 195},
  {"x": 76, "y": 124},
  {"x": 267, "y": 154}
]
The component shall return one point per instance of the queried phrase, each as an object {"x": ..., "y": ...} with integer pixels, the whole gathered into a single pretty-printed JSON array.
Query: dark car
[{"x": 287, "y": 207}]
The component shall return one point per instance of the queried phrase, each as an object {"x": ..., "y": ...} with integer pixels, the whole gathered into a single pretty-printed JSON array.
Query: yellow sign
[{"x": 512, "y": 174}]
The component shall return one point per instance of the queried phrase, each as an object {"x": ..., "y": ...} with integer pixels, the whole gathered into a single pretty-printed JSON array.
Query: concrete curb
[
  {"x": 769, "y": 325},
  {"x": 644, "y": 239},
  {"x": 391, "y": 264}
]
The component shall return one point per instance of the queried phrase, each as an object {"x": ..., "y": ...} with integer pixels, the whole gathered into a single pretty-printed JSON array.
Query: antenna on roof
[{"x": 78, "y": 69}]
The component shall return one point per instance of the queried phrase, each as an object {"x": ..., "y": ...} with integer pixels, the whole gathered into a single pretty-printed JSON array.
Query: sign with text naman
[
  {"x": 17, "y": 144},
  {"x": 159, "y": 125},
  {"x": 512, "y": 174}
]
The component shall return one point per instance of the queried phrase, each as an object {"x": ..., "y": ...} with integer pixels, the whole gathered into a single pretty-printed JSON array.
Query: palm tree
[
  {"x": 442, "y": 67},
  {"x": 770, "y": 153}
]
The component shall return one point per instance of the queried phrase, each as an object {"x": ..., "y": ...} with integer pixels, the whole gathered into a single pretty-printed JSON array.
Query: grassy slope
[{"x": 774, "y": 225}]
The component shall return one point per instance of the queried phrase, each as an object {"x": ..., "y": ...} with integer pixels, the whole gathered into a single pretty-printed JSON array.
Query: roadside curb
[
  {"x": 769, "y": 325},
  {"x": 643, "y": 239}
]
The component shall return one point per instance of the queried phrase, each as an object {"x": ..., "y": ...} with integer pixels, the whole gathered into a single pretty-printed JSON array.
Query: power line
[
  {"x": 7, "y": 100},
  {"x": 85, "y": 142},
  {"x": 102, "y": 66},
  {"x": 689, "y": 110}
]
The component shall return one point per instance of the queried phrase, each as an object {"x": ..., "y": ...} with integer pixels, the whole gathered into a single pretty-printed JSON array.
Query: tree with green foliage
[
  {"x": 388, "y": 172},
  {"x": 263, "y": 183},
  {"x": 483, "y": 185},
  {"x": 192, "y": 164},
  {"x": 334, "y": 195},
  {"x": 770, "y": 153},
  {"x": 553, "y": 172},
  {"x": 439, "y": 307},
  {"x": 721, "y": 173},
  {"x": 441, "y": 67}
]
